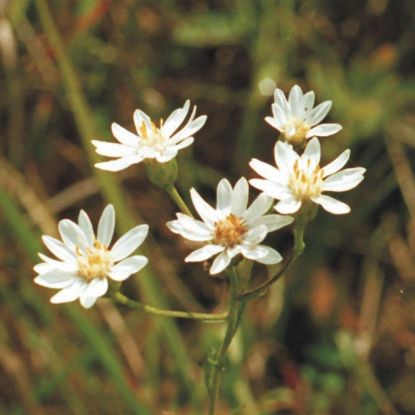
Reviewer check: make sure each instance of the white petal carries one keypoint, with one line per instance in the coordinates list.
(332, 205)
(141, 117)
(204, 253)
(150, 152)
(224, 196)
(258, 207)
(281, 101)
(324, 130)
(290, 130)
(52, 264)
(240, 196)
(112, 149)
(285, 157)
(274, 190)
(308, 101)
(186, 225)
(287, 206)
(124, 136)
(127, 267)
(85, 224)
(205, 211)
(220, 263)
(188, 233)
(233, 251)
(273, 222)
(119, 164)
(87, 302)
(319, 112)
(273, 123)
(168, 154)
(255, 235)
(344, 180)
(55, 279)
(183, 144)
(58, 249)
(106, 225)
(72, 235)
(190, 129)
(267, 171)
(295, 100)
(175, 119)
(272, 256)
(336, 164)
(253, 252)
(313, 151)
(44, 267)
(70, 293)
(280, 116)
(129, 242)
(96, 288)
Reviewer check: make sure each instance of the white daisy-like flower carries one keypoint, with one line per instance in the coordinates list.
(298, 179)
(296, 118)
(232, 228)
(151, 142)
(85, 261)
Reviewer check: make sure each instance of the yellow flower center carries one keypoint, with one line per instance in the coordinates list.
(152, 137)
(95, 263)
(300, 131)
(306, 179)
(229, 231)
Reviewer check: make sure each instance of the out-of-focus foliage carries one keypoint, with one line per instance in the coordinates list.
(336, 336)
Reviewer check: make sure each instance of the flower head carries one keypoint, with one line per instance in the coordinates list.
(296, 118)
(85, 261)
(298, 179)
(160, 142)
(232, 228)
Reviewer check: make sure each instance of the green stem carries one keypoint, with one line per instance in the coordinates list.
(298, 248)
(174, 194)
(206, 317)
(236, 309)
(299, 244)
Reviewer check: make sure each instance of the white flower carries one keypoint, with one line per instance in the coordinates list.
(85, 262)
(161, 143)
(232, 228)
(298, 179)
(296, 119)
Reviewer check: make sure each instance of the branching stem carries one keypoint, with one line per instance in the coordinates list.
(205, 317)
(298, 248)
(217, 363)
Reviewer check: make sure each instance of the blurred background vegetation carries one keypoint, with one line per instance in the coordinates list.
(336, 335)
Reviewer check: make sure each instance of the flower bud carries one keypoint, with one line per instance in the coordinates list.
(163, 175)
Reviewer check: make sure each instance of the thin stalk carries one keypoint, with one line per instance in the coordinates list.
(181, 204)
(205, 317)
(298, 248)
(236, 309)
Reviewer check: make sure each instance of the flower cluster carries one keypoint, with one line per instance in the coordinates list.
(230, 229)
